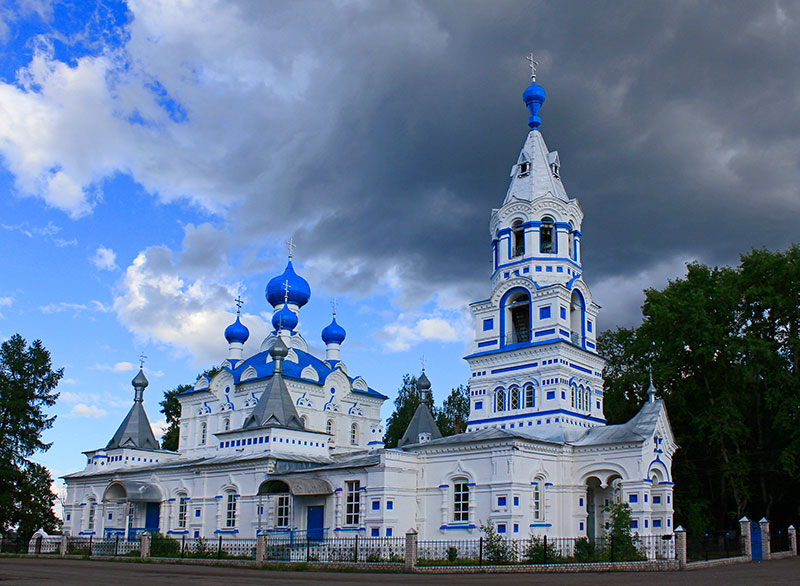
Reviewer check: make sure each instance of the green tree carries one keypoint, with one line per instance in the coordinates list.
(405, 404)
(626, 546)
(724, 350)
(27, 388)
(453, 415)
(171, 408)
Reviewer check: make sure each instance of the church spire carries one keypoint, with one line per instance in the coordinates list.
(422, 426)
(533, 97)
(135, 430)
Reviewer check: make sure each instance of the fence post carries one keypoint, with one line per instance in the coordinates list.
(219, 547)
(747, 544)
(792, 539)
(545, 550)
(411, 549)
(261, 548)
(680, 546)
(612, 547)
(480, 552)
(62, 547)
(765, 545)
(183, 545)
(144, 541)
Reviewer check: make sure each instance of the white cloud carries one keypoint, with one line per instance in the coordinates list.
(5, 302)
(105, 259)
(159, 427)
(62, 306)
(408, 330)
(118, 367)
(82, 410)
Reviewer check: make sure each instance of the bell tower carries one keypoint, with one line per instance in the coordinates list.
(534, 362)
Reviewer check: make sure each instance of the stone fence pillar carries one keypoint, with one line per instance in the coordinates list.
(261, 548)
(765, 545)
(144, 540)
(411, 549)
(747, 544)
(62, 546)
(792, 539)
(680, 546)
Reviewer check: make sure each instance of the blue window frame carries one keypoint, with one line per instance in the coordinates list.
(551, 395)
(376, 505)
(501, 501)
(633, 498)
(634, 524)
(516, 498)
(656, 500)
(563, 313)
(375, 532)
(589, 326)
(501, 527)
(488, 324)
(656, 523)
(544, 312)
(389, 505)
(197, 512)
(388, 532)
(478, 405)
(516, 527)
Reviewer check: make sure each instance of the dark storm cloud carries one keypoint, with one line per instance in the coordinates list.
(677, 125)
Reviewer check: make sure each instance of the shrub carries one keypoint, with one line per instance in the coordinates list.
(496, 549)
(541, 551)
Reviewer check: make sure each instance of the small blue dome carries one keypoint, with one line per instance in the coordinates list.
(285, 319)
(333, 333)
(237, 332)
(533, 97)
(299, 290)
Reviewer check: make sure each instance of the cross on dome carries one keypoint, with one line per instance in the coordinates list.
(533, 65)
(291, 246)
(286, 287)
(334, 304)
(238, 301)
(422, 361)
(142, 358)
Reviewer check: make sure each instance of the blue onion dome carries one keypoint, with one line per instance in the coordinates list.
(237, 332)
(299, 290)
(285, 319)
(533, 97)
(333, 333)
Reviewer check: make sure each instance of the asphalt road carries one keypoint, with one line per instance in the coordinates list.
(30, 571)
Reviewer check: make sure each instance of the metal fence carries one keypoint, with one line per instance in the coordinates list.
(545, 550)
(110, 546)
(338, 549)
(779, 541)
(714, 546)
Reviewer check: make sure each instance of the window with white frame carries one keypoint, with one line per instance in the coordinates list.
(500, 401)
(513, 398)
(282, 506)
(354, 434)
(353, 502)
(460, 501)
(230, 510)
(529, 400)
(203, 433)
(90, 513)
(182, 504)
(329, 429)
(227, 424)
(538, 509)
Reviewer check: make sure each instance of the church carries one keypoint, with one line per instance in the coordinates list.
(285, 442)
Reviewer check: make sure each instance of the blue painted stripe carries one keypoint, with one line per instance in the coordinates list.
(470, 526)
(576, 367)
(520, 367)
(538, 414)
(541, 524)
(564, 333)
(544, 333)
(488, 343)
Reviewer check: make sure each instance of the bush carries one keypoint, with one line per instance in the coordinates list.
(540, 551)
(621, 544)
(496, 549)
(162, 546)
(452, 553)
(585, 551)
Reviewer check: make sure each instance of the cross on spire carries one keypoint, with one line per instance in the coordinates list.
(422, 361)
(334, 304)
(141, 360)
(286, 287)
(238, 301)
(291, 246)
(533, 65)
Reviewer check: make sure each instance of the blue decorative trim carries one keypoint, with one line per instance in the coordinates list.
(538, 258)
(548, 484)
(470, 526)
(580, 368)
(178, 532)
(544, 333)
(471, 484)
(338, 490)
(510, 368)
(541, 524)
(226, 531)
(350, 529)
(373, 443)
(666, 483)
(487, 343)
(538, 414)
(444, 485)
(564, 333)
(535, 483)
(171, 500)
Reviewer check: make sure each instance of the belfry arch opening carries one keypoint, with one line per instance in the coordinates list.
(547, 234)
(518, 317)
(518, 239)
(577, 318)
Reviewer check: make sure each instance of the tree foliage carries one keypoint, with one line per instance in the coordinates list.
(27, 387)
(453, 413)
(724, 350)
(171, 408)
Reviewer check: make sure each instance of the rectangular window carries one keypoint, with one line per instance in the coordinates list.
(656, 500)
(478, 405)
(375, 532)
(110, 516)
(563, 313)
(488, 324)
(656, 523)
(389, 505)
(181, 512)
(544, 312)
(68, 516)
(388, 532)
(282, 504)
(589, 326)
(501, 501)
(90, 523)
(581, 526)
(633, 498)
(645, 497)
(634, 524)
(353, 502)
(551, 395)
(230, 511)
(460, 502)
(537, 502)
(516, 527)
(197, 512)
(580, 502)
(376, 505)
(516, 501)
(646, 523)
(501, 527)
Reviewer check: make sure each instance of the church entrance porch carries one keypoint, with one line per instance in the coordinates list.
(131, 507)
(600, 494)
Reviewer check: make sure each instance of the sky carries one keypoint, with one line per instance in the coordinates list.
(155, 157)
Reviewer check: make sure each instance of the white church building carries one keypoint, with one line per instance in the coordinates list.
(288, 442)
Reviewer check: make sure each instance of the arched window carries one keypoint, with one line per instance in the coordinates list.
(329, 429)
(500, 404)
(513, 398)
(90, 513)
(182, 504)
(573, 391)
(576, 318)
(230, 509)
(226, 425)
(518, 240)
(203, 432)
(588, 400)
(460, 500)
(538, 499)
(354, 434)
(530, 401)
(518, 317)
(547, 233)
(571, 240)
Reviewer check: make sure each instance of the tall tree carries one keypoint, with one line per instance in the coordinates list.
(405, 404)
(27, 387)
(453, 415)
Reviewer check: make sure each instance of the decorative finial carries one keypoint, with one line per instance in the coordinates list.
(651, 390)
(334, 304)
(142, 358)
(291, 246)
(533, 65)
(286, 288)
(238, 301)
(422, 361)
